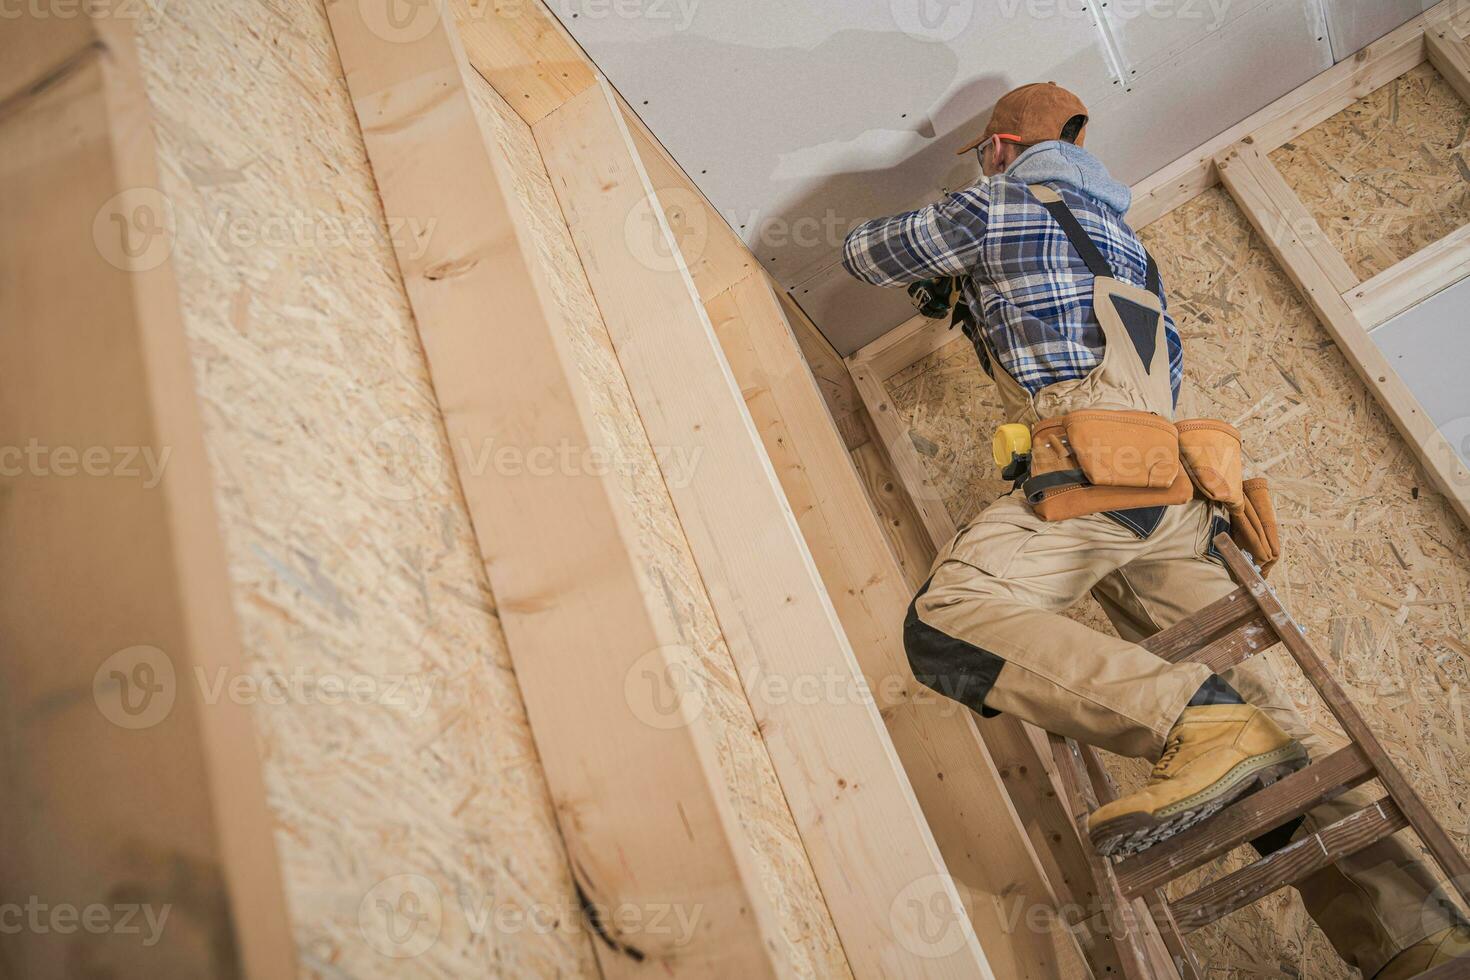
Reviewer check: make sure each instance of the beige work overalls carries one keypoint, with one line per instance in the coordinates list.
(987, 629)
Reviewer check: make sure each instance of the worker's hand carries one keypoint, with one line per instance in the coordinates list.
(933, 298)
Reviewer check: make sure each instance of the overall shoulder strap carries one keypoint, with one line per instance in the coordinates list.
(1097, 264)
(1152, 281)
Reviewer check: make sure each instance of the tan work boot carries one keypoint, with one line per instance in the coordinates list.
(1426, 954)
(1214, 755)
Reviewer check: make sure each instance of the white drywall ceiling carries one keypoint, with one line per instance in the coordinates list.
(800, 118)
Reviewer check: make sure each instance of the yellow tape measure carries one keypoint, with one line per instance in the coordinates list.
(1011, 440)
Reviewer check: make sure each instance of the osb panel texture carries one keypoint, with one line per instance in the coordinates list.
(750, 778)
(1377, 567)
(350, 549)
(1388, 175)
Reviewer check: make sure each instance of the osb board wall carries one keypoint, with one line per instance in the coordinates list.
(764, 816)
(349, 546)
(1389, 175)
(1377, 567)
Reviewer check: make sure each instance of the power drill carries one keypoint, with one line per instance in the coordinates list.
(938, 298)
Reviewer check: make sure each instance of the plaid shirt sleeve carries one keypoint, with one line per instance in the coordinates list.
(942, 239)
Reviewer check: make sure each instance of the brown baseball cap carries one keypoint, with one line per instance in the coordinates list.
(1032, 114)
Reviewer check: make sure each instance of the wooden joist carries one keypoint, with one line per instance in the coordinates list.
(1411, 281)
(870, 846)
(1296, 242)
(126, 787)
(894, 434)
(646, 814)
(1450, 55)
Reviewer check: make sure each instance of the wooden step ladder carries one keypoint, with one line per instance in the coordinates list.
(1249, 620)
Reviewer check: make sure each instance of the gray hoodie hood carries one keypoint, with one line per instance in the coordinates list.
(1061, 162)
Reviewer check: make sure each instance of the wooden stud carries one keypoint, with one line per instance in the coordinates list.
(1411, 281)
(125, 783)
(895, 437)
(915, 338)
(955, 779)
(896, 514)
(1450, 56)
(643, 806)
(525, 56)
(872, 851)
(1277, 214)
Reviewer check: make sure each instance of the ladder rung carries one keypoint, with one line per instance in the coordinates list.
(1290, 864)
(1215, 621)
(1248, 639)
(1244, 821)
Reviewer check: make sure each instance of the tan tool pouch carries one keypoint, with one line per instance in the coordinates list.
(1253, 525)
(1110, 448)
(1210, 452)
(1097, 460)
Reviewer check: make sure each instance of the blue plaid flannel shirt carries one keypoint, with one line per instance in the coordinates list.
(1030, 289)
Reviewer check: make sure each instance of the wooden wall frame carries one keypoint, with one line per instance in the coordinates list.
(561, 550)
(1347, 308)
(1006, 855)
(851, 800)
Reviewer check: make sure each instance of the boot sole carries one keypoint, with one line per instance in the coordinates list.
(1135, 832)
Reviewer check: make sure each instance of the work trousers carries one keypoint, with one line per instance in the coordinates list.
(987, 630)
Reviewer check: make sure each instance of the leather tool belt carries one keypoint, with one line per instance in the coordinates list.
(1097, 460)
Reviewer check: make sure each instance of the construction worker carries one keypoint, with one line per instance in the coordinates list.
(1069, 319)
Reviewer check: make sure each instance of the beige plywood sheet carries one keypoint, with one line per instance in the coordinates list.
(1388, 175)
(813, 947)
(350, 549)
(1377, 567)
